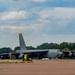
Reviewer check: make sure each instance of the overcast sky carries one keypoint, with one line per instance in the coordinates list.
(39, 20)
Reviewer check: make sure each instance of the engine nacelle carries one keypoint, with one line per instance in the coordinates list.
(53, 54)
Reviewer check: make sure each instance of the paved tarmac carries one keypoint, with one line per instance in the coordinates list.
(39, 67)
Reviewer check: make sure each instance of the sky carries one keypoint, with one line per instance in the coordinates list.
(39, 21)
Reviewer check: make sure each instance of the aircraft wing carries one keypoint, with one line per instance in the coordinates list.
(33, 51)
(25, 51)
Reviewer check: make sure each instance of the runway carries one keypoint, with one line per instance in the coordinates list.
(39, 67)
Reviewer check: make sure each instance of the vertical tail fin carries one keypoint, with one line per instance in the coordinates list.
(22, 43)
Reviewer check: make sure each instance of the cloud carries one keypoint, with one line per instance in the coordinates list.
(28, 30)
(34, 27)
(39, 0)
(46, 20)
(13, 5)
(12, 15)
(55, 20)
(39, 20)
(46, 13)
(58, 13)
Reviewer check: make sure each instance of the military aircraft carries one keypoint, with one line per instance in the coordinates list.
(39, 53)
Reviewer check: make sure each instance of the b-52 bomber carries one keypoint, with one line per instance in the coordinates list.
(39, 53)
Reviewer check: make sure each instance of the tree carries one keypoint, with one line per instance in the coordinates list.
(5, 50)
(64, 45)
(48, 46)
(16, 48)
(30, 47)
(43, 46)
(66, 49)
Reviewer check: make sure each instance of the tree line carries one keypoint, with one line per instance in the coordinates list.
(64, 45)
